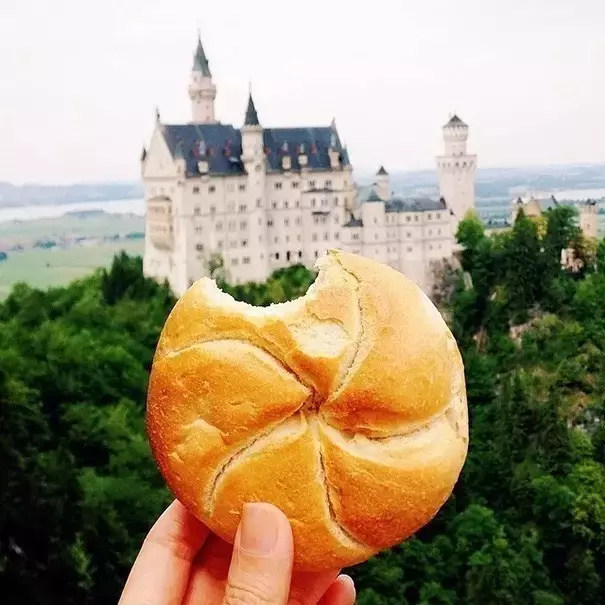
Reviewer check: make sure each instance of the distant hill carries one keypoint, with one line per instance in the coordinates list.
(33, 194)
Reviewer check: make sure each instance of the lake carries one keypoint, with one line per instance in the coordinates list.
(28, 213)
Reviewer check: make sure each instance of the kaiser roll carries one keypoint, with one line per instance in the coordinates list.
(345, 408)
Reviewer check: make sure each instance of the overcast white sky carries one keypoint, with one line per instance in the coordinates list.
(79, 79)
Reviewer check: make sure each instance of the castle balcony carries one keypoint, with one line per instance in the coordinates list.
(159, 225)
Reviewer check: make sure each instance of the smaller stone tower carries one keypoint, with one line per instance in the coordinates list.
(383, 186)
(456, 170)
(202, 91)
(588, 218)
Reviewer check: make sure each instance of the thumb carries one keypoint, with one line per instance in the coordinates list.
(261, 567)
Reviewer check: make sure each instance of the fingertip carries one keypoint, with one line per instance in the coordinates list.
(341, 592)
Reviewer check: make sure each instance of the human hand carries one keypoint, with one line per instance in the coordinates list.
(181, 563)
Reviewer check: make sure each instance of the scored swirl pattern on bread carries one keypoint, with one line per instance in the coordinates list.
(346, 408)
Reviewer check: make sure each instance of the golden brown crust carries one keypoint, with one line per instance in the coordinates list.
(345, 408)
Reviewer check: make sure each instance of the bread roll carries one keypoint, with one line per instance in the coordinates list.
(345, 408)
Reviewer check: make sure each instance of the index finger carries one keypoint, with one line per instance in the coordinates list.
(160, 573)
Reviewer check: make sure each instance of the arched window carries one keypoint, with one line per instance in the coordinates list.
(277, 256)
(288, 255)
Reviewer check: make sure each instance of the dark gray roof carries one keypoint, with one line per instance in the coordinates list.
(381, 171)
(223, 146)
(373, 196)
(455, 121)
(200, 63)
(413, 204)
(251, 118)
(354, 222)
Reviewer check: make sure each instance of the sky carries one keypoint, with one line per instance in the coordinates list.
(80, 79)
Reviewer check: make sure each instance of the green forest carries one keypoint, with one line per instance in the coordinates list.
(526, 521)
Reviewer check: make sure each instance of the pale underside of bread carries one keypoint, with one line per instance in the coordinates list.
(346, 415)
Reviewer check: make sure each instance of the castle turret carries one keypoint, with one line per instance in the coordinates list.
(383, 187)
(202, 91)
(456, 169)
(588, 218)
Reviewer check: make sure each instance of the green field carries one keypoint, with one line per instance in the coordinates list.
(44, 268)
(70, 225)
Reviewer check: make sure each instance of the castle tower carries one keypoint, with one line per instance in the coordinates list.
(202, 91)
(588, 218)
(456, 170)
(383, 187)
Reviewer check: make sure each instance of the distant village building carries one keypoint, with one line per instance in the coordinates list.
(265, 198)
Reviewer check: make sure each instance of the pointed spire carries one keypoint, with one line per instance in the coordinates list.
(200, 63)
(381, 171)
(251, 115)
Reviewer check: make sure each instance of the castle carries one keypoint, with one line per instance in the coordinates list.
(266, 198)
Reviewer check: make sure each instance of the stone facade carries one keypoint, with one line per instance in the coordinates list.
(265, 198)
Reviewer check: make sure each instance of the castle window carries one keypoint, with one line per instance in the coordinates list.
(242, 187)
(277, 256)
(328, 184)
(288, 255)
(336, 201)
(219, 226)
(297, 204)
(326, 236)
(438, 215)
(298, 221)
(246, 260)
(274, 205)
(415, 217)
(277, 185)
(199, 247)
(409, 248)
(276, 240)
(243, 207)
(313, 202)
(287, 238)
(337, 235)
(198, 229)
(212, 209)
(295, 184)
(258, 203)
(196, 190)
(211, 188)
(375, 220)
(336, 220)
(408, 234)
(430, 216)
(312, 184)
(243, 225)
(355, 236)
(219, 244)
(270, 222)
(316, 254)
(196, 211)
(300, 254)
(286, 222)
(408, 218)
(314, 237)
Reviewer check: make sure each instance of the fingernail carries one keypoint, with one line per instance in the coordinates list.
(258, 531)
